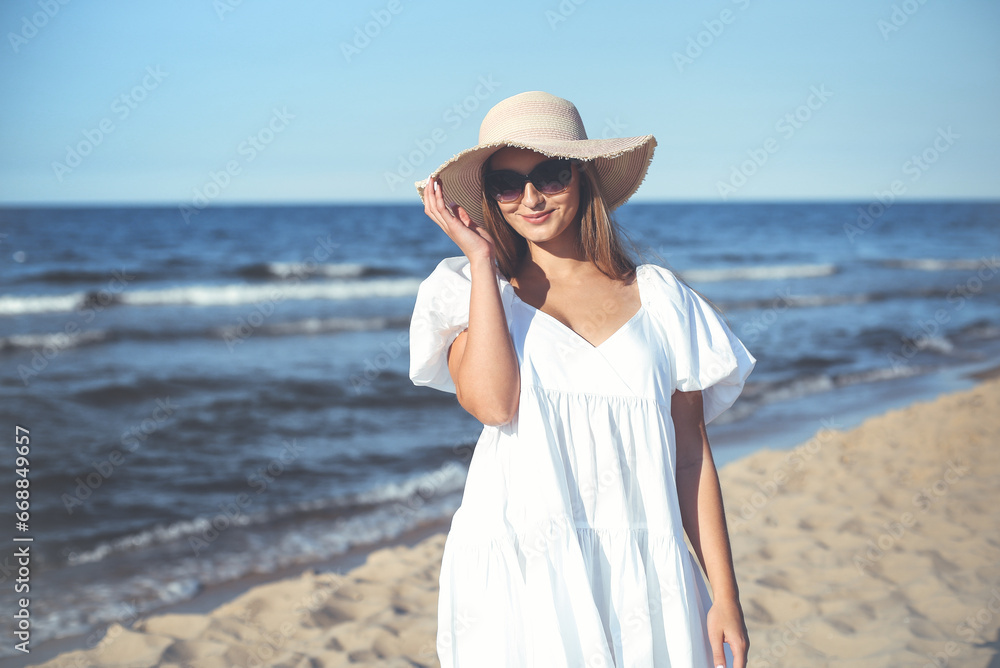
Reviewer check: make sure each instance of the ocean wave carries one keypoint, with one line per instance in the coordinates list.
(980, 330)
(934, 264)
(16, 305)
(211, 295)
(446, 480)
(758, 272)
(817, 383)
(318, 326)
(937, 344)
(283, 270)
(70, 276)
(227, 295)
(781, 301)
(60, 341)
(760, 393)
(307, 327)
(257, 270)
(785, 299)
(880, 374)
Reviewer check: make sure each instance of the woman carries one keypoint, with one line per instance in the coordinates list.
(593, 378)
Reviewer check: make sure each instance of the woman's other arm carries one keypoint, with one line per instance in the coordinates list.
(704, 519)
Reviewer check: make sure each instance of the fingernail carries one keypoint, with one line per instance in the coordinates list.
(435, 186)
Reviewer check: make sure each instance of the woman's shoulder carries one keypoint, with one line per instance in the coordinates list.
(657, 271)
(663, 282)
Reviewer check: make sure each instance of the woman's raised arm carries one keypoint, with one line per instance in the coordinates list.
(481, 360)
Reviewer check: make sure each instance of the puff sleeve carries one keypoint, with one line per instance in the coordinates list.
(704, 353)
(440, 313)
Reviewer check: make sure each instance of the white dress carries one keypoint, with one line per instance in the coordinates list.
(568, 549)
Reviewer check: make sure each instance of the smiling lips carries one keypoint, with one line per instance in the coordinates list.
(536, 218)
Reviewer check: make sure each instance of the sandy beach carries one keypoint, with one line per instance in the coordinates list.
(874, 546)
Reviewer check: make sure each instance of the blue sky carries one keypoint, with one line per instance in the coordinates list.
(265, 101)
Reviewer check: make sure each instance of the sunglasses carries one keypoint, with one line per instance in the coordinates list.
(549, 178)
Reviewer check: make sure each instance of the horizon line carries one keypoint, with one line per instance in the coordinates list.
(155, 204)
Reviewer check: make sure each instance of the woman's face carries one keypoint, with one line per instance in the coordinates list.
(537, 217)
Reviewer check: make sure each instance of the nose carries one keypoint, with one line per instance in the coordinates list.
(531, 197)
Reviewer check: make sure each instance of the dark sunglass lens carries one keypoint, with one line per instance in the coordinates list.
(504, 187)
(508, 195)
(553, 177)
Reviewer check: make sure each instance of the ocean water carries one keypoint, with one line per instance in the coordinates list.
(225, 398)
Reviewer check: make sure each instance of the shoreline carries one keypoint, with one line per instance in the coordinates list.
(431, 537)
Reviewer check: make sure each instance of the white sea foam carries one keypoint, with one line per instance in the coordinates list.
(16, 305)
(59, 341)
(758, 272)
(219, 295)
(933, 264)
(216, 295)
(290, 269)
(447, 479)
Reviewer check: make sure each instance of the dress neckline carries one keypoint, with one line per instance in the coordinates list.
(639, 273)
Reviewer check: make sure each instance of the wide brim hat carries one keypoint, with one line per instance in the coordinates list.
(552, 126)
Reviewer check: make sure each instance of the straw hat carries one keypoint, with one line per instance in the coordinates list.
(552, 126)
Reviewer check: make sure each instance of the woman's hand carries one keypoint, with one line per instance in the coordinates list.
(473, 240)
(726, 624)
